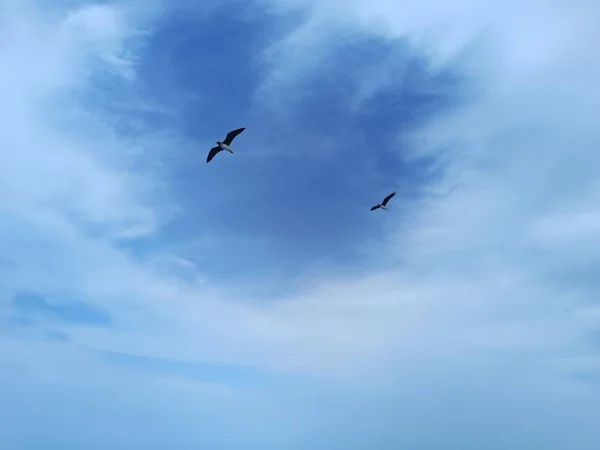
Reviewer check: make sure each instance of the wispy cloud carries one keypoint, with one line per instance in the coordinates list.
(472, 307)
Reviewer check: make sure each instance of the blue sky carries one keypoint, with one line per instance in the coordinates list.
(151, 300)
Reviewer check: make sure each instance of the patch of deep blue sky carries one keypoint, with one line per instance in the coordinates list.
(299, 188)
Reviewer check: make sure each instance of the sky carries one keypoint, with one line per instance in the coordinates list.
(150, 300)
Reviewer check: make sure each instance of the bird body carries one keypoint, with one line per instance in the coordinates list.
(383, 204)
(225, 145)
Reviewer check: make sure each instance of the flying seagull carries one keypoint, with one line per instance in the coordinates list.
(225, 145)
(383, 204)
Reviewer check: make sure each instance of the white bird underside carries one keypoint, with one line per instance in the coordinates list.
(226, 147)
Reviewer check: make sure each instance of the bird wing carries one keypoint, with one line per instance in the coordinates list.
(211, 154)
(231, 135)
(387, 199)
(375, 207)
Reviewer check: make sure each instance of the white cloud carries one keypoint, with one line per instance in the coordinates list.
(490, 270)
(57, 161)
(474, 223)
(489, 263)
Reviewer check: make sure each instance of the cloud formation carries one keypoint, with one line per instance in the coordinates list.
(474, 316)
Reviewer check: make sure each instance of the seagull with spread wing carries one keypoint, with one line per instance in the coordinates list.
(383, 204)
(225, 145)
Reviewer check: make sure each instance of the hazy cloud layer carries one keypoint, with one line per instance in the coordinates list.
(151, 300)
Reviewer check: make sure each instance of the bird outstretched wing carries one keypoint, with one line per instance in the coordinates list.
(375, 207)
(231, 135)
(387, 199)
(211, 154)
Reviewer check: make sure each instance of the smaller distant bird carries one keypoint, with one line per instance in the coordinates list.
(383, 204)
(225, 145)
